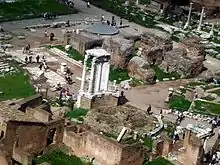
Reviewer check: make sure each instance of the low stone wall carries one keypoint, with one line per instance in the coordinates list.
(64, 55)
(31, 101)
(98, 101)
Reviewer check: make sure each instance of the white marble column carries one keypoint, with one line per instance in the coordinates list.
(201, 17)
(137, 2)
(189, 16)
(98, 78)
(83, 80)
(211, 33)
(91, 81)
(107, 70)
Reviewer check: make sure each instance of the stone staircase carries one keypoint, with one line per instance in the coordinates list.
(5, 67)
(64, 55)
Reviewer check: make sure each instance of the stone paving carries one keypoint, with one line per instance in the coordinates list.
(52, 77)
(34, 52)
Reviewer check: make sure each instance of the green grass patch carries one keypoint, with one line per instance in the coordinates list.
(16, 86)
(160, 74)
(159, 161)
(76, 113)
(148, 142)
(118, 74)
(26, 9)
(57, 157)
(206, 107)
(179, 103)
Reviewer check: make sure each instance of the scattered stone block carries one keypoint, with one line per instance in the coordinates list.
(21, 37)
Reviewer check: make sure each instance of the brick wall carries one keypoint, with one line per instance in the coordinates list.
(39, 114)
(105, 151)
(31, 137)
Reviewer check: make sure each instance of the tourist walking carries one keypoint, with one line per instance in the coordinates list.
(88, 4)
(120, 21)
(37, 58)
(30, 59)
(102, 18)
(45, 33)
(26, 59)
(149, 110)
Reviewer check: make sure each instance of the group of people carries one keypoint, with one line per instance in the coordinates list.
(113, 21)
(69, 3)
(68, 76)
(52, 35)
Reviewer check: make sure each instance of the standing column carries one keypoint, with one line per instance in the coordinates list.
(107, 64)
(98, 78)
(189, 16)
(91, 81)
(83, 80)
(137, 2)
(200, 21)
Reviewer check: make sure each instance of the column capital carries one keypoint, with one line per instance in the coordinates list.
(191, 3)
(94, 59)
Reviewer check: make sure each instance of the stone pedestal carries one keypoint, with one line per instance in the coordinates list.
(63, 68)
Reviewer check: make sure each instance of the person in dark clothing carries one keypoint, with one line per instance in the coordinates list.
(149, 110)
(120, 21)
(26, 59)
(41, 66)
(37, 58)
(108, 22)
(68, 23)
(30, 59)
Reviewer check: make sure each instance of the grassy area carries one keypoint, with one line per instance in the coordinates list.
(57, 157)
(16, 86)
(148, 142)
(206, 107)
(159, 161)
(179, 103)
(25, 9)
(77, 113)
(160, 74)
(118, 74)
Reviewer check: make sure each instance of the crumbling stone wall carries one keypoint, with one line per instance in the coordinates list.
(33, 141)
(82, 41)
(154, 47)
(193, 149)
(177, 60)
(106, 151)
(121, 50)
(39, 114)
